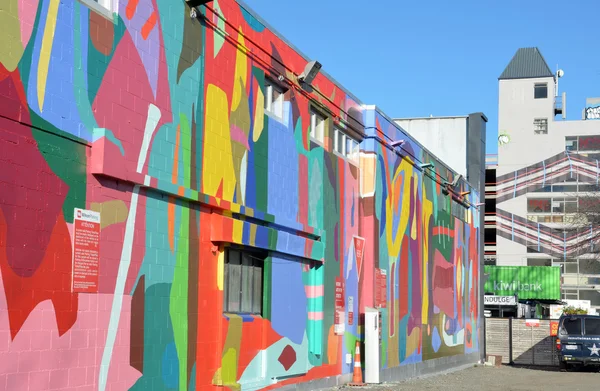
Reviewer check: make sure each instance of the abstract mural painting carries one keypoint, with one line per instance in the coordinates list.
(193, 138)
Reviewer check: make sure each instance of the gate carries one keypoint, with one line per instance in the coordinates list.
(520, 341)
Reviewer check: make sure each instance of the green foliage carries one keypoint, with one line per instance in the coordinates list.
(571, 310)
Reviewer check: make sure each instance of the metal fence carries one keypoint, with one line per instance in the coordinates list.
(522, 342)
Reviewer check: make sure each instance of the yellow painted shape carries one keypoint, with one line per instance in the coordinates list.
(367, 174)
(395, 239)
(217, 159)
(459, 276)
(241, 71)
(413, 230)
(111, 212)
(259, 114)
(253, 234)
(229, 367)
(11, 47)
(412, 341)
(427, 210)
(238, 228)
(220, 267)
(46, 50)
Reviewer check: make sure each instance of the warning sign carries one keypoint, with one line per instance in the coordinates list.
(86, 251)
(380, 288)
(553, 328)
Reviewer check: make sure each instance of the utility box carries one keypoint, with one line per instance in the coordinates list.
(371, 345)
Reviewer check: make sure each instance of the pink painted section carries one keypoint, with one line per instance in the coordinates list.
(38, 359)
(239, 136)
(315, 315)
(27, 16)
(314, 291)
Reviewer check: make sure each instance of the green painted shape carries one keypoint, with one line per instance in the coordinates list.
(66, 158)
(219, 38)
(158, 333)
(178, 305)
(528, 282)
(314, 328)
(260, 151)
(267, 287)
(185, 147)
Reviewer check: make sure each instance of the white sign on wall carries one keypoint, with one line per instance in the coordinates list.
(499, 300)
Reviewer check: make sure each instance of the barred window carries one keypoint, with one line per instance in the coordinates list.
(540, 126)
(243, 282)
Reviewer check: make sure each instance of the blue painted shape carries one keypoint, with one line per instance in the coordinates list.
(246, 318)
(262, 237)
(246, 233)
(288, 299)
(192, 386)
(252, 21)
(170, 367)
(436, 341)
(283, 171)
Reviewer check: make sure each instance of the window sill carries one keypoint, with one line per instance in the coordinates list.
(91, 4)
(275, 117)
(347, 159)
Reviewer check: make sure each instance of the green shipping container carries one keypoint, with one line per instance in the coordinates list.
(528, 282)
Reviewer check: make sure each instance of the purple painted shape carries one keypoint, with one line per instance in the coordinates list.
(148, 49)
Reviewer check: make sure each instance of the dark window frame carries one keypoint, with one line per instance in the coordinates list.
(540, 91)
(250, 261)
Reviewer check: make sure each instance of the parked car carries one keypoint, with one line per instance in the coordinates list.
(578, 341)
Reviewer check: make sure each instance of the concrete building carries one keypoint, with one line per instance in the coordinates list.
(546, 167)
(185, 205)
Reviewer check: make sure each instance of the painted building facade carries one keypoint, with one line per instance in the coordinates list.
(230, 200)
(544, 187)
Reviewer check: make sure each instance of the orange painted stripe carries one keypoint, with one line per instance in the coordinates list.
(130, 9)
(149, 25)
(171, 209)
(172, 223)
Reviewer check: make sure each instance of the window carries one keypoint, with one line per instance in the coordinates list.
(571, 326)
(571, 143)
(317, 126)
(243, 282)
(540, 90)
(542, 205)
(104, 7)
(345, 145)
(592, 326)
(540, 126)
(274, 97)
(489, 236)
(539, 262)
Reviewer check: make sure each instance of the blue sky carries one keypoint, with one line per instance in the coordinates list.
(415, 58)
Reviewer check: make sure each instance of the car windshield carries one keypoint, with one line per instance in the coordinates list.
(571, 326)
(592, 326)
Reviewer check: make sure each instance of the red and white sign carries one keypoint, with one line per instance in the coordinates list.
(359, 252)
(350, 310)
(380, 288)
(339, 293)
(532, 322)
(86, 251)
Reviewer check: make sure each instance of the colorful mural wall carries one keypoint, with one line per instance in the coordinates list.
(156, 121)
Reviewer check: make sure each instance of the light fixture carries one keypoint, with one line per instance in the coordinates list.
(311, 70)
(456, 180)
(427, 165)
(464, 193)
(196, 3)
(480, 204)
(397, 143)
